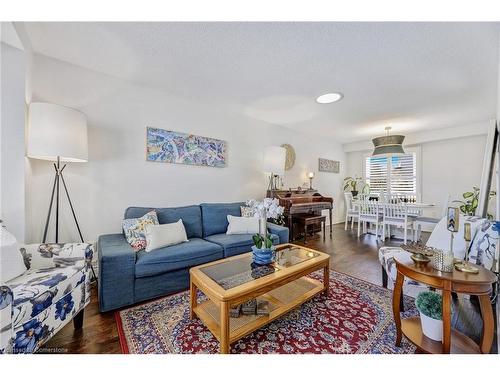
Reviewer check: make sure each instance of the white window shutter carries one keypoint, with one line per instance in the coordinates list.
(396, 174)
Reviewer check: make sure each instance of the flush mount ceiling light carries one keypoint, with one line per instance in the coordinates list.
(388, 144)
(331, 97)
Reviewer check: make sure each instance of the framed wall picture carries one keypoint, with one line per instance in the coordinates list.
(174, 147)
(326, 165)
(452, 223)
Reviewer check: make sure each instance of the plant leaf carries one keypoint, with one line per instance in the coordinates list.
(468, 194)
(475, 203)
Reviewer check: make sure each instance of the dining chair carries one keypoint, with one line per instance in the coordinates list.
(369, 212)
(396, 214)
(350, 211)
(430, 221)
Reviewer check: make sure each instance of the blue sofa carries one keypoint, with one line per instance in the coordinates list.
(127, 277)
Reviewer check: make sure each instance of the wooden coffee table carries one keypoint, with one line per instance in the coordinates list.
(479, 284)
(232, 281)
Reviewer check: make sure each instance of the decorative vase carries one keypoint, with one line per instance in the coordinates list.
(354, 193)
(263, 226)
(262, 256)
(431, 327)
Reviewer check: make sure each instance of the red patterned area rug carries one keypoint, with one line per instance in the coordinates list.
(355, 318)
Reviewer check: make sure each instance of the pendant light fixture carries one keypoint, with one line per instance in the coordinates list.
(388, 144)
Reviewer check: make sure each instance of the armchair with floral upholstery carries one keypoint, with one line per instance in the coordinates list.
(53, 290)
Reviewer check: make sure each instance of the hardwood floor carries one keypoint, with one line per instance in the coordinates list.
(355, 256)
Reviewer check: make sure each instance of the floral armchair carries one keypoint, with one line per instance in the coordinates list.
(54, 290)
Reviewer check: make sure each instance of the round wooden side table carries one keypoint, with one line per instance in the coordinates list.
(479, 284)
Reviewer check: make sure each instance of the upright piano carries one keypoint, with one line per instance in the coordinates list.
(304, 204)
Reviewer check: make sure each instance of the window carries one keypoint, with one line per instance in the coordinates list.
(395, 174)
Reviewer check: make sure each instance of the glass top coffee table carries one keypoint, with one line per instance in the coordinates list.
(227, 283)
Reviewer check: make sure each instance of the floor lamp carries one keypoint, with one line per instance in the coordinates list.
(57, 134)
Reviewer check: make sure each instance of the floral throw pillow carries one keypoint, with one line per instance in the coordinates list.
(484, 246)
(135, 229)
(247, 211)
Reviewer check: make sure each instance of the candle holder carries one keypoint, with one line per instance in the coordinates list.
(464, 265)
(443, 261)
(310, 176)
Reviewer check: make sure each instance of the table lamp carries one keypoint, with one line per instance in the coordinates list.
(57, 134)
(311, 176)
(274, 164)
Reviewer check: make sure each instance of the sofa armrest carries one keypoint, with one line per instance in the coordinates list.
(116, 272)
(6, 329)
(281, 232)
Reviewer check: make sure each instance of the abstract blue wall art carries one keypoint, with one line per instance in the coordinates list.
(173, 147)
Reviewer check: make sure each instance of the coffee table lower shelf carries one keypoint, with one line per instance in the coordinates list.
(281, 300)
(460, 343)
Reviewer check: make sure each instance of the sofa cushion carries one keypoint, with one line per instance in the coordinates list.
(165, 259)
(235, 244)
(214, 216)
(484, 246)
(135, 229)
(190, 215)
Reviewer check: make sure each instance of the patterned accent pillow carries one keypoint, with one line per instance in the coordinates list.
(135, 229)
(484, 246)
(247, 211)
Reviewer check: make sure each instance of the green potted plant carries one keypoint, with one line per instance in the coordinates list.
(352, 183)
(470, 202)
(263, 249)
(429, 305)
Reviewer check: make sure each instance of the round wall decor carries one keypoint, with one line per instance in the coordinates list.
(290, 156)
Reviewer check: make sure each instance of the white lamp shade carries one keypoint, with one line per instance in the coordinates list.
(57, 131)
(274, 160)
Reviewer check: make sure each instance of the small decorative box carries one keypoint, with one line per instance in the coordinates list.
(249, 307)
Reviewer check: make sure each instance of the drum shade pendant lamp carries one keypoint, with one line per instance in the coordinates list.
(388, 144)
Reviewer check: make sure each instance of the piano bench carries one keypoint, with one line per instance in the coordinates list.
(305, 220)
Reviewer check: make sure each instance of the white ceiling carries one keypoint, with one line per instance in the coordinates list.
(413, 76)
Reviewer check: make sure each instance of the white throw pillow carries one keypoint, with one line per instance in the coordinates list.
(164, 235)
(242, 225)
(11, 259)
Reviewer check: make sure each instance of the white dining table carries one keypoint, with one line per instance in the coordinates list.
(421, 205)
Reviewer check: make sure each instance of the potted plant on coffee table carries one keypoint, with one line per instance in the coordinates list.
(429, 305)
(263, 249)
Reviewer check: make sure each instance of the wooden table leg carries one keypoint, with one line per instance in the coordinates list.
(446, 318)
(396, 298)
(488, 323)
(224, 328)
(193, 299)
(326, 278)
(324, 230)
(330, 219)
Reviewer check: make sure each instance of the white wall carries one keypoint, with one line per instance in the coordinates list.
(117, 175)
(13, 109)
(449, 166)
